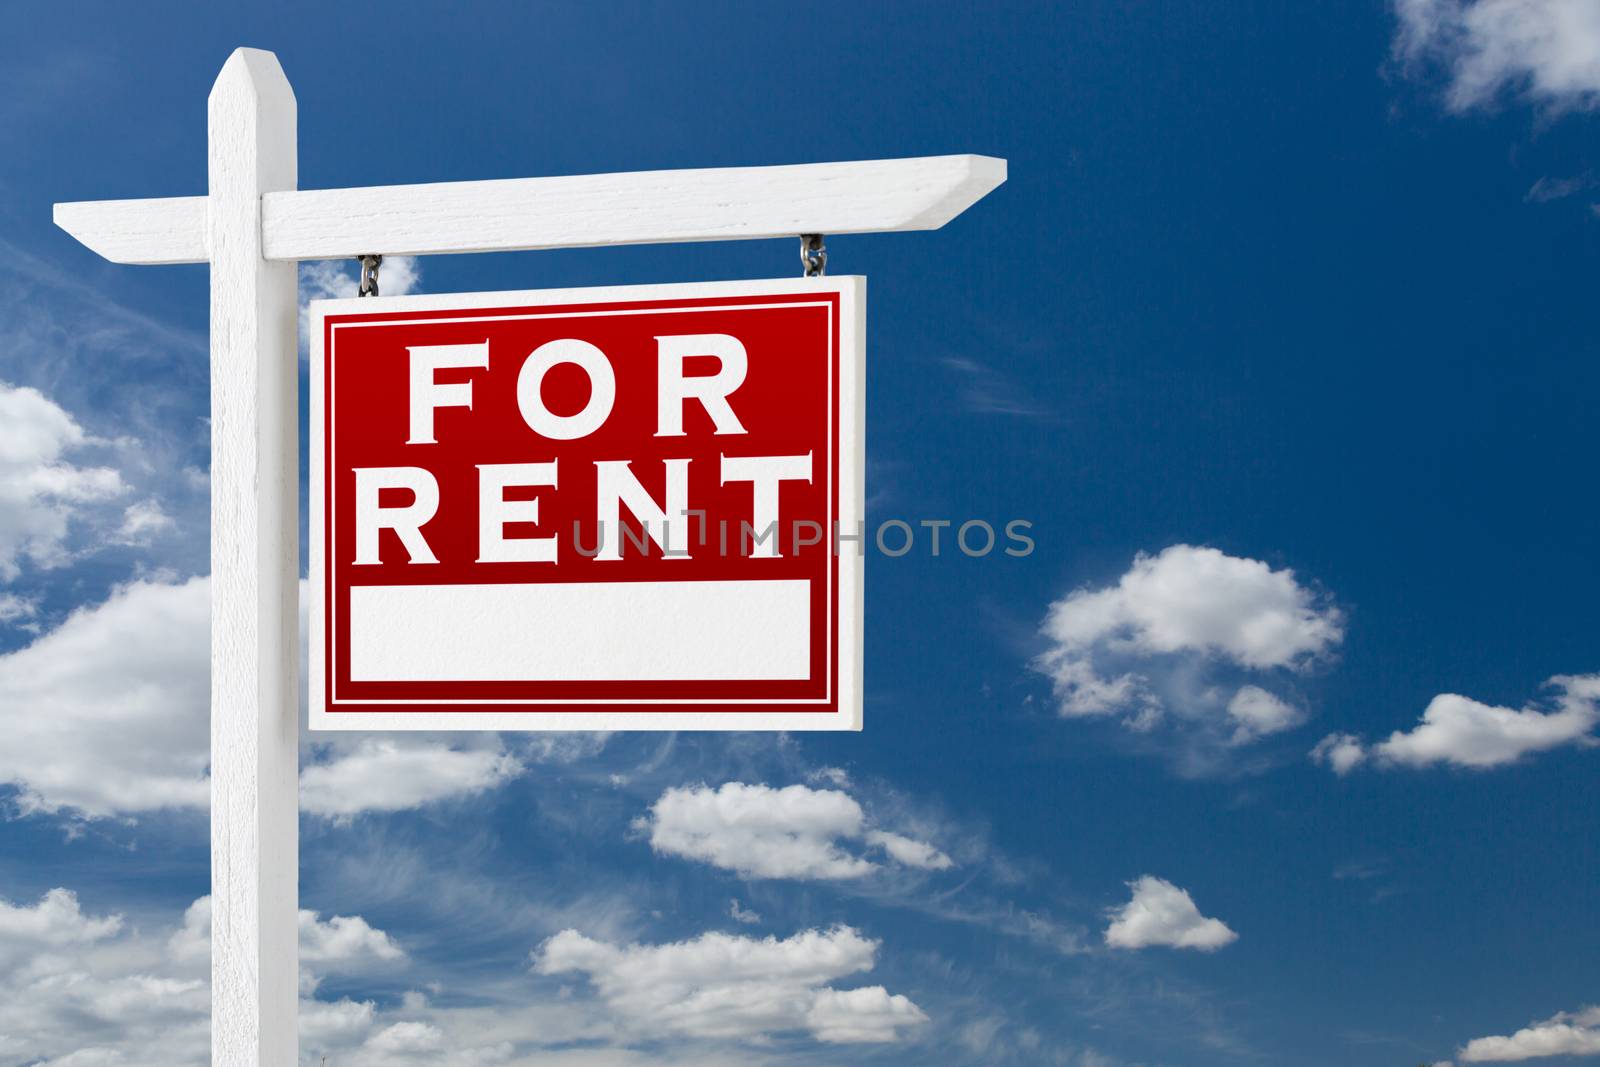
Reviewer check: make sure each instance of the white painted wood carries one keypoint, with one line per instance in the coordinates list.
(643, 207)
(170, 230)
(254, 574)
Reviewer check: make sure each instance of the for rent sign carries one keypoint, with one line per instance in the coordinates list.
(588, 509)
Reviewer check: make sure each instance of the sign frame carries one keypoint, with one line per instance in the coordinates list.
(846, 628)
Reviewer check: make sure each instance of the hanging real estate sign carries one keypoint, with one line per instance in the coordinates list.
(625, 508)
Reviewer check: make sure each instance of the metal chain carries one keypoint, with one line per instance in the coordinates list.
(813, 255)
(369, 275)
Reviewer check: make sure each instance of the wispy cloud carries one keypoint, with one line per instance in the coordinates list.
(986, 391)
(133, 391)
(1546, 190)
(44, 492)
(1544, 51)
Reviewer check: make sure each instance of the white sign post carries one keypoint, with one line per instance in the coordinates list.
(252, 227)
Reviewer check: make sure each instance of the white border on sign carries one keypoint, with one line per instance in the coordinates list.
(847, 626)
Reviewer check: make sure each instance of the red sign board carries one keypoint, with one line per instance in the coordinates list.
(630, 508)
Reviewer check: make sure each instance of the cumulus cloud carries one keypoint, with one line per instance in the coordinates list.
(83, 986)
(338, 944)
(56, 921)
(1547, 51)
(761, 832)
(1342, 752)
(722, 986)
(1565, 1034)
(1162, 914)
(1467, 733)
(86, 987)
(83, 989)
(42, 492)
(1257, 713)
(1166, 635)
(109, 716)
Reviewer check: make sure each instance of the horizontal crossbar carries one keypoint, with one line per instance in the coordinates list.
(639, 207)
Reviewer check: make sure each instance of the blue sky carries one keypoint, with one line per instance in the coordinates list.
(1281, 333)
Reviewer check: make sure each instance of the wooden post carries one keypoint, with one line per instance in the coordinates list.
(255, 572)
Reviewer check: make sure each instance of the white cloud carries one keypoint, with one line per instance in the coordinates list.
(82, 989)
(14, 609)
(41, 491)
(909, 851)
(1136, 649)
(335, 1024)
(86, 990)
(1545, 50)
(1189, 599)
(340, 941)
(338, 944)
(141, 521)
(1162, 914)
(1466, 733)
(339, 279)
(342, 944)
(721, 986)
(107, 714)
(1456, 729)
(55, 922)
(761, 832)
(1566, 1034)
(987, 391)
(384, 773)
(139, 381)
(837, 777)
(1342, 752)
(870, 1014)
(1258, 713)
(191, 941)
(740, 914)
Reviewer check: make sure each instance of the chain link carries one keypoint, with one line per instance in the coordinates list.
(813, 255)
(369, 275)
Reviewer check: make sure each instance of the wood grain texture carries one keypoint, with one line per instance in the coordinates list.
(641, 207)
(171, 230)
(254, 575)
(644, 207)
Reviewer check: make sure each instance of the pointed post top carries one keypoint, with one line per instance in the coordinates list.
(251, 128)
(253, 71)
